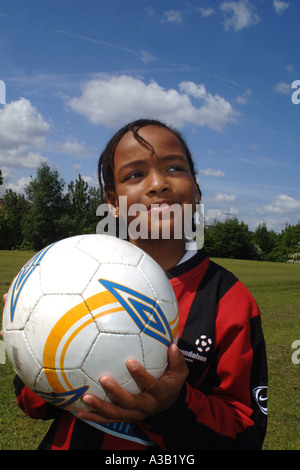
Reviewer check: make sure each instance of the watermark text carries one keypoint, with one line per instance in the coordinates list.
(296, 94)
(2, 352)
(155, 222)
(296, 354)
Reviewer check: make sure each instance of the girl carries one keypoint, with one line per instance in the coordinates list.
(213, 394)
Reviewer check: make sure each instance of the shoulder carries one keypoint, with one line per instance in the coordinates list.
(200, 272)
(215, 285)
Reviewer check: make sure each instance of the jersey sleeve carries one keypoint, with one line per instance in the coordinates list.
(31, 404)
(226, 409)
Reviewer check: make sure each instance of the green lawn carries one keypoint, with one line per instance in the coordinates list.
(275, 286)
(17, 431)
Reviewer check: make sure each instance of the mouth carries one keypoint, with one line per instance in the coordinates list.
(162, 206)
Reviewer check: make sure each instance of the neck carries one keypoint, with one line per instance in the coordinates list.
(166, 253)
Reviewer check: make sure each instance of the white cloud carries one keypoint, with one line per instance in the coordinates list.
(205, 12)
(282, 87)
(243, 98)
(91, 180)
(210, 172)
(71, 146)
(150, 11)
(213, 214)
(219, 206)
(22, 135)
(22, 124)
(22, 158)
(253, 146)
(145, 56)
(225, 197)
(218, 214)
(172, 16)
(283, 204)
(290, 68)
(280, 6)
(114, 100)
(19, 186)
(238, 15)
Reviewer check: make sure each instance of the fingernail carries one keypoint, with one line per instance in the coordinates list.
(105, 381)
(86, 398)
(131, 364)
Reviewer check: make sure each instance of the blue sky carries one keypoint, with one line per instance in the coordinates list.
(220, 71)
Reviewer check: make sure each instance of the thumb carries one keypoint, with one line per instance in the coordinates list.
(177, 360)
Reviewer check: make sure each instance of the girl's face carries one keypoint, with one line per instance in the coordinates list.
(157, 175)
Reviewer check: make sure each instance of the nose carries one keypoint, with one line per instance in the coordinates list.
(157, 182)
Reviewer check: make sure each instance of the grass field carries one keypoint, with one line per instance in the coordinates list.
(275, 286)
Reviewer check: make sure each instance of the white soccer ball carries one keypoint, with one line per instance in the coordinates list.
(81, 308)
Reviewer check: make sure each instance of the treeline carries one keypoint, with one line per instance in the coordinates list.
(51, 210)
(233, 239)
(47, 212)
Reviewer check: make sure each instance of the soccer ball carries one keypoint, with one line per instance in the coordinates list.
(79, 309)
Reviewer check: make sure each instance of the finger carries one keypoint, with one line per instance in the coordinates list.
(4, 299)
(143, 378)
(177, 367)
(103, 409)
(105, 412)
(117, 394)
(177, 360)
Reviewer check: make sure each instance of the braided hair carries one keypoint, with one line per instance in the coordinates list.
(106, 160)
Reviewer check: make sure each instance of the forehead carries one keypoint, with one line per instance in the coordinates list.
(162, 142)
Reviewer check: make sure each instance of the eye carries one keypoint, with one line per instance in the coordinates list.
(134, 175)
(174, 168)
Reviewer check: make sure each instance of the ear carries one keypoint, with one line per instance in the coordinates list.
(112, 199)
(198, 193)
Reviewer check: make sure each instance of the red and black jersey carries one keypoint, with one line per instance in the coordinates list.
(223, 402)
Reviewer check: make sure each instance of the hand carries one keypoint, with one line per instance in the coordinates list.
(157, 394)
(3, 300)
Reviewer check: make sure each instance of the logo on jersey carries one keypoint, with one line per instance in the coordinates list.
(203, 344)
(260, 396)
(200, 351)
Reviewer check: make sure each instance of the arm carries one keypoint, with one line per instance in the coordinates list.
(32, 405)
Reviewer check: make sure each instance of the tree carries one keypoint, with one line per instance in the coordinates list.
(265, 241)
(229, 239)
(82, 202)
(42, 224)
(14, 208)
(288, 242)
(77, 204)
(1, 177)
(294, 258)
(94, 200)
